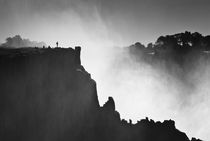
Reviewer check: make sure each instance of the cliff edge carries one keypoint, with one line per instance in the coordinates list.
(47, 95)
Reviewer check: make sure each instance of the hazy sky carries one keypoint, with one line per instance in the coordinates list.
(110, 22)
(97, 25)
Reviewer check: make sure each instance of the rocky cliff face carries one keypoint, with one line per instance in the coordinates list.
(46, 95)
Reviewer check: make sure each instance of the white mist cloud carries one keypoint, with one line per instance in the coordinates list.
(141, 89)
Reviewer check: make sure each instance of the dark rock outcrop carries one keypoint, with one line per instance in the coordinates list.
(46, 95)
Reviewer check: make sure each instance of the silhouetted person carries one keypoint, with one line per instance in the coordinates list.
(57, 44)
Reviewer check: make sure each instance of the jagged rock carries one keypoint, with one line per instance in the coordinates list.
(77, 55)
(47, 95)
(109, 105)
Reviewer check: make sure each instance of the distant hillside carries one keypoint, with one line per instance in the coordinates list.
(17, 42)
(180, 55)
(46, 95)
(180, 43)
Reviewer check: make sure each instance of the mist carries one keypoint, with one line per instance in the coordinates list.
(70, 23)
(159, 90)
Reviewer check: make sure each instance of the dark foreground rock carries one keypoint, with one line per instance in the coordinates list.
(46, 95)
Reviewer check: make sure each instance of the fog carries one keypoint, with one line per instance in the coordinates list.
(141, 89)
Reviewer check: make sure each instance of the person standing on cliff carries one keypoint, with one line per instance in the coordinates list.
(57, 44)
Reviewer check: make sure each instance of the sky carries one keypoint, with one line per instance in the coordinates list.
(113, 22)
(100, 26)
